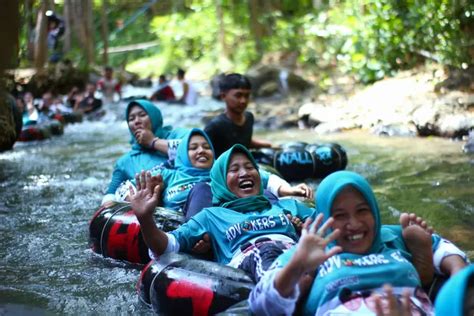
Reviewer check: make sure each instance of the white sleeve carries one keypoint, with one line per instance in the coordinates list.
(107, 198)
(445, 249)
(265, 299)
(173, 246)
(274, 183)
(123, 191)
(173, 148)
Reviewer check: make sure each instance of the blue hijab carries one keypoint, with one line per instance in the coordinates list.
(451, 298)
(182, 162)
(156, 119)
(385, 262)
(333, 184)
(222, 196)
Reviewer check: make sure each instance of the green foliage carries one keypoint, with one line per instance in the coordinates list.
(370, 39)
(375, 38)
(191, 37)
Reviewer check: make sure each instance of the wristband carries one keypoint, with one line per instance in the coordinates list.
(152, 146)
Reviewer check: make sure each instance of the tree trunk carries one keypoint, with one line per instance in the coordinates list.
(105, 32)
(68, 26)
(9, 20)
(30, 27)
(220, 19)
(41, 38)
(89, 32)
(82, 21)
(256, 28)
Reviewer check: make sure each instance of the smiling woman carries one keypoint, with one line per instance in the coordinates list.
(245, 229)
(341, 271)
(152, 144)
(194, 159)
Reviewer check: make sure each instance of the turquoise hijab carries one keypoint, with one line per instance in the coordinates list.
(222, 196)
(182, 162)
(451, 298)
(156, 119)
(349, 270)
(333, 184)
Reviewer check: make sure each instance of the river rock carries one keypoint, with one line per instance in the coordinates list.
(405, 130)
(270, 79)
(396, 106)
(8, 122)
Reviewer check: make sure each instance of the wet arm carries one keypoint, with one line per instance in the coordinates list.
(259, 143)
(160, 145)
(265, 299)
(448, 259)
(452, 264)
(144, 201)
(155, 238)
(118, 176)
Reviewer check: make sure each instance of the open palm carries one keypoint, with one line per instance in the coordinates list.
(311, 250)
(146, 197)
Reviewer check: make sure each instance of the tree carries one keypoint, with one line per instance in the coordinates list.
(104, 31)
(256, 28)
(41, 36)
(82, 22)
(67, 11)
(220, 20)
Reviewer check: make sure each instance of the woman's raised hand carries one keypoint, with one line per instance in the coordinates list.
(311, 250)
(310, 253)
(147, 195)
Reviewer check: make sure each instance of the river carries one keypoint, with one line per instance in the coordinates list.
(50, 189)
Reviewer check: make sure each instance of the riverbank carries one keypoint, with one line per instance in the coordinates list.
(419, 102)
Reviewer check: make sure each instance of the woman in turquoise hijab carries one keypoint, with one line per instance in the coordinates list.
(194, 159)
(245, 229)
(353, 262)
(152, 143)
(456, 297)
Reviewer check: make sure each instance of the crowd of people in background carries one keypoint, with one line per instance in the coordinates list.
(89, 99)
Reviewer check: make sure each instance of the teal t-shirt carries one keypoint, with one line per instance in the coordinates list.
(229, 229)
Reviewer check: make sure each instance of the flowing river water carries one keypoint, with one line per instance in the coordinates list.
(49, 191)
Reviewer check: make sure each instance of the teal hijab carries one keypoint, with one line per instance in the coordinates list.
(348, 271)
(333, 184)
(451, 298)
(222, 196)
(182, 162)
(156, 119)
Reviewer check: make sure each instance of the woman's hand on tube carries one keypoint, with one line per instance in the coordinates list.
(301, 189)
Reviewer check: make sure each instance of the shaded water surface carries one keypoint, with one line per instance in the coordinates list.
(49, 191)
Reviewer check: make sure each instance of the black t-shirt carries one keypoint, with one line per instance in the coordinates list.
(224, 133)
(88, 101)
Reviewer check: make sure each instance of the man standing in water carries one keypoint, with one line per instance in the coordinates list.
(190, 95)
(108, 85)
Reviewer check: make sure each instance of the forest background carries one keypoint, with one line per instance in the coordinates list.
(365, 39)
